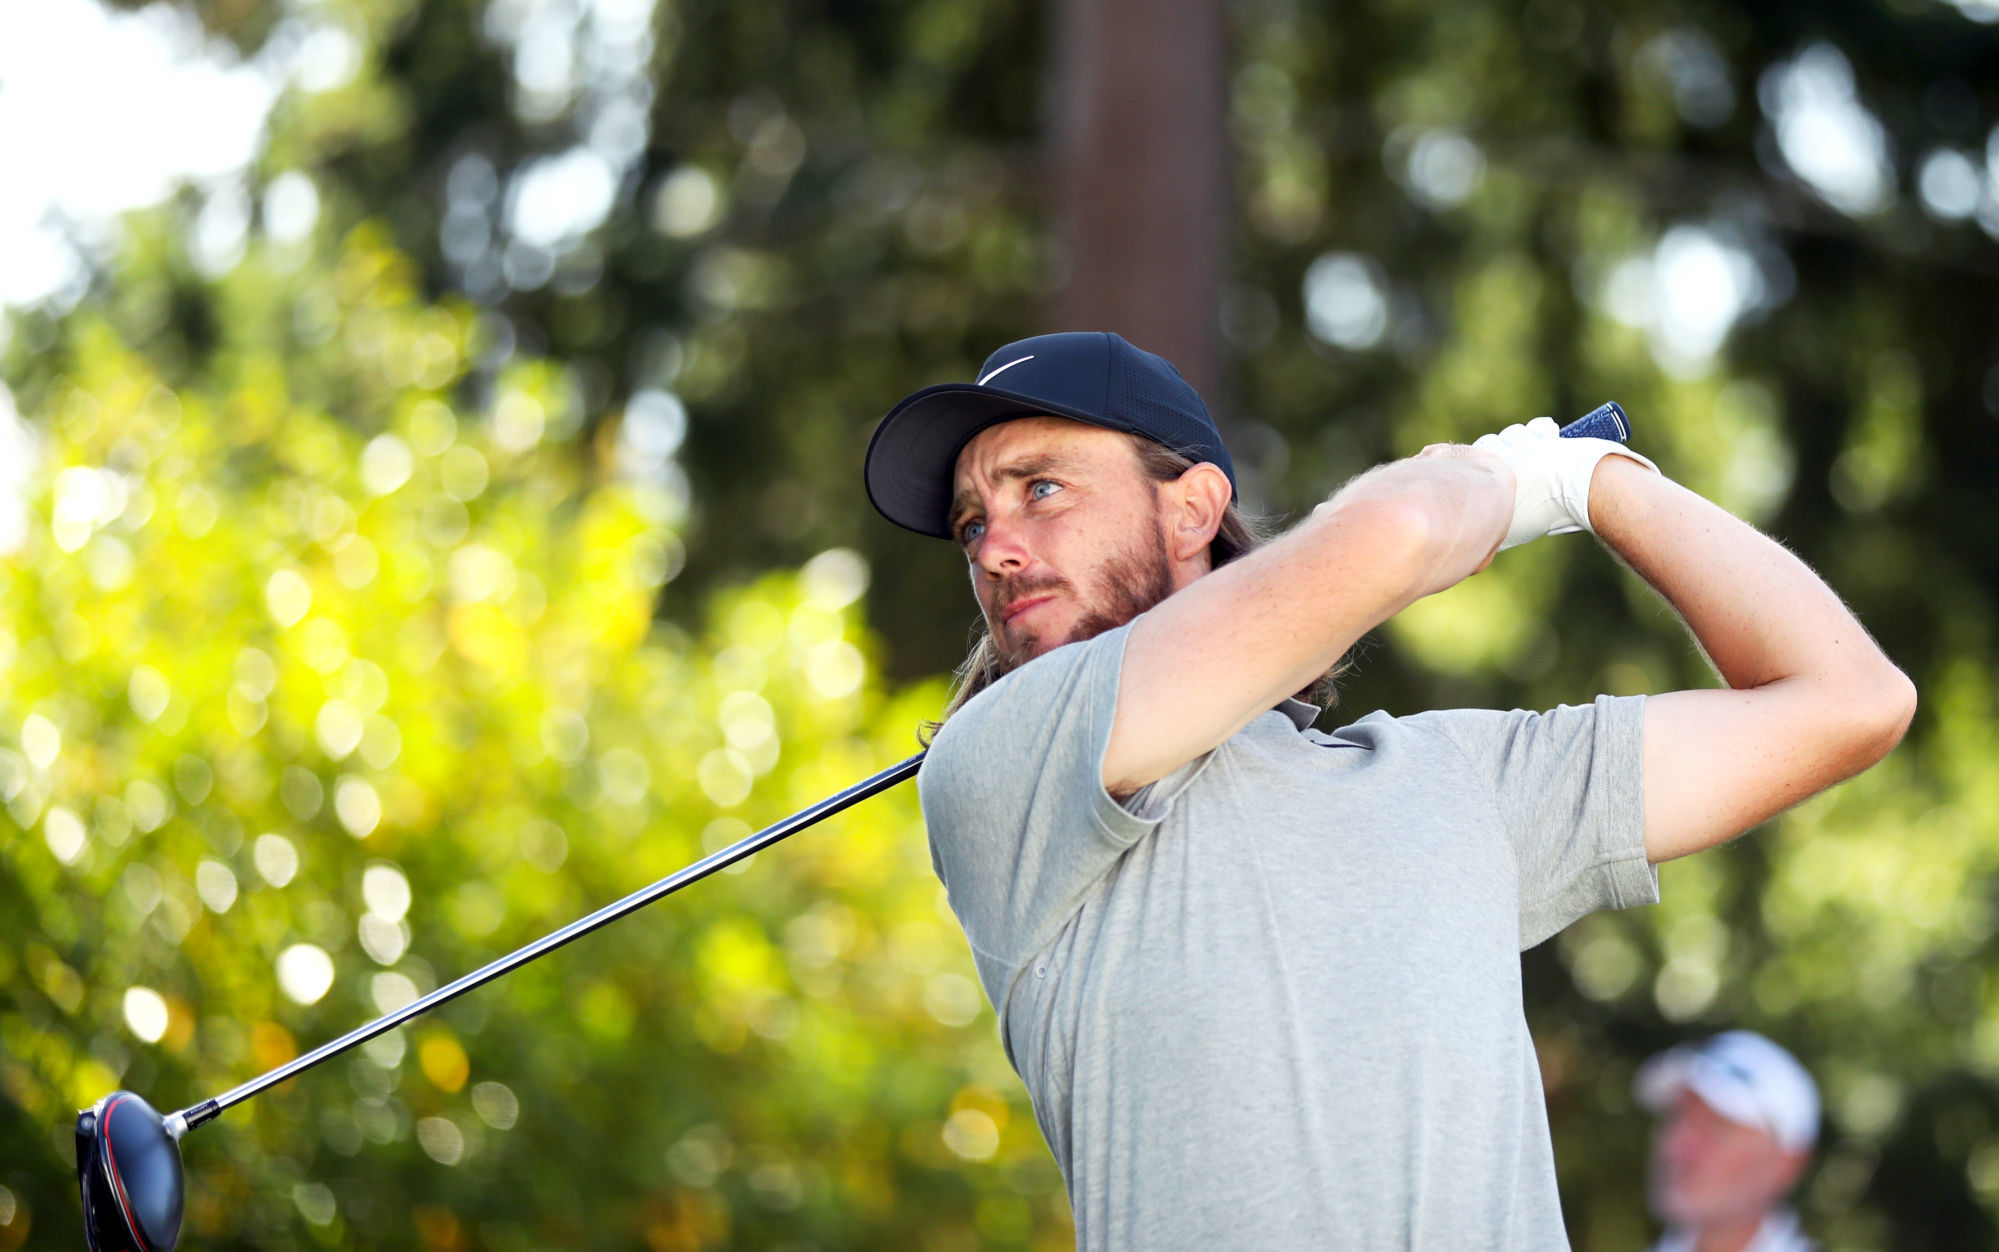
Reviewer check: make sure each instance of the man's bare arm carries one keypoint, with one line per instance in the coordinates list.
(1233, 644)
(1811, 699)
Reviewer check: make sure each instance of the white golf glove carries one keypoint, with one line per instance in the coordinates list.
(1552, 477)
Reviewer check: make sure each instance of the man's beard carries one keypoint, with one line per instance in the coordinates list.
(1128, 583)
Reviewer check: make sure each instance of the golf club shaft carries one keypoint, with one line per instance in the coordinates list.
(187, 1119)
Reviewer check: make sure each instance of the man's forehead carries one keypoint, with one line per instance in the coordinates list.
(1021, 438)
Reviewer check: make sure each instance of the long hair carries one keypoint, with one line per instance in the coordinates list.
(1238, 535)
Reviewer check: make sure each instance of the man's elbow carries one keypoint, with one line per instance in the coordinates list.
(1879, 709)
(1898, 707)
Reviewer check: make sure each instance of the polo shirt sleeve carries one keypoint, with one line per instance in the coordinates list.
(1568, 785)
(1020, 823)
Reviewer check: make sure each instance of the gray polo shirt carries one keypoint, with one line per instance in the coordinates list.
(1273, 1000)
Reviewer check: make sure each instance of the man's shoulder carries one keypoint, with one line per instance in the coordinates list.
(1030, 704)
(1381, 727)
(1040, 684)
(1453, 736)
(1472, 724)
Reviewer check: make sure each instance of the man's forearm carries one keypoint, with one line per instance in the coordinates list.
(1759, 612)
(1215, 654)
(1463, 497)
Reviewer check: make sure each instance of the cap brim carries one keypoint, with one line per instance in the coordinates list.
(1661, 1080)
(914, 451)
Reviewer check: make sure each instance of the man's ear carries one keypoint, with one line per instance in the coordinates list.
(1197, 501)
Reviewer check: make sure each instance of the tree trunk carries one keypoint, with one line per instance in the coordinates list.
(1141, 157)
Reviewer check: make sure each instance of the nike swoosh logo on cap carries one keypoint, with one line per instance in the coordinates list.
(1001, 370)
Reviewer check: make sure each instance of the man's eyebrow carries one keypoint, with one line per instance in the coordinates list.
(1027, 467)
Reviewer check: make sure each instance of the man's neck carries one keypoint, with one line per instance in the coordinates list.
(1729, 1236)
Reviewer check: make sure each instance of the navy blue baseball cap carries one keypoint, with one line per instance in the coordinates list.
(1088, 376)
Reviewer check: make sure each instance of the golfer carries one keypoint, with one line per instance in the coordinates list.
(1262, 983)
(1738, 1117)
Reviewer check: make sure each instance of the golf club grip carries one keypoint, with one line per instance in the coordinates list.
(194, 1115)
(1605, 421)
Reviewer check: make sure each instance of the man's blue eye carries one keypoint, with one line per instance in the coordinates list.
(1035, 492)
(970, 531)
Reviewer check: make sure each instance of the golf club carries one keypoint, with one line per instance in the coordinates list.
(128, 1156)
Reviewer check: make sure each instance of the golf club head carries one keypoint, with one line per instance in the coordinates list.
(128, 1168)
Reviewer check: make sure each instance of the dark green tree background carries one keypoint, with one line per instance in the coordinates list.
(1446, 218)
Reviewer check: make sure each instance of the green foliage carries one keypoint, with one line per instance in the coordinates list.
(300, 717)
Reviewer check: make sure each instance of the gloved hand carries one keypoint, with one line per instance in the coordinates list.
(1551, 476)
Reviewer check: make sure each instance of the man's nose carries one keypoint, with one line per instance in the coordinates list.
(1003, 548)
(1681, 1143)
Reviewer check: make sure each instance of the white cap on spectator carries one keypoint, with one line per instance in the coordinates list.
(1742, 1076)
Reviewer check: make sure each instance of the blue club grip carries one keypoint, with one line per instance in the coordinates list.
(1605, 421)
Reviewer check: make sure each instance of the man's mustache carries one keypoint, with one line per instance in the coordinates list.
(1013, 590)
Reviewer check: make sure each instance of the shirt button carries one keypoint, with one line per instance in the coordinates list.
(1041, 971)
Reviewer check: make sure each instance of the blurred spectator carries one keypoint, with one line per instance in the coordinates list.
(1739, 1117)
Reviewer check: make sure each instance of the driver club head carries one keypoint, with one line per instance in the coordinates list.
(128, 1166)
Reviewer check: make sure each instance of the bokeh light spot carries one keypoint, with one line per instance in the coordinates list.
(386, 464)
(444, 1062)
(441, 1140)
(338, 728)
(835, 669)
(215, 883)
(392, 991)
(146, 1013)
(386, 891)
(1346, 301)
(41, 740)
(972, 1134)
(63, 831)
(148, 693)
(315, 1202)
(835, 578)
(288, 596)
(687, 203)
(383, 940)
(358, 806)
(305, 972)
(496, 1105)
(725, 777)
(276, 859)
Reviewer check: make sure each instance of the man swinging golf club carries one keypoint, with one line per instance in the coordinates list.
(1262, 982)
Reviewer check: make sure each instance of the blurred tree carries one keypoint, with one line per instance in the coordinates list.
(1140, 149)
(300, 715)
(782, 216)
